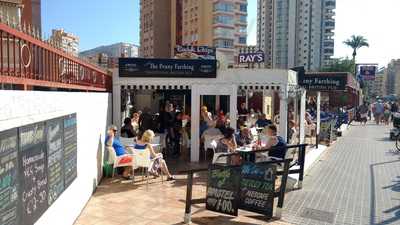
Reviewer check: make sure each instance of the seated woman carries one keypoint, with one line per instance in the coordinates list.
(274, 141)
(227, 144)
(114, 142)
(144, 143)
(244, 137)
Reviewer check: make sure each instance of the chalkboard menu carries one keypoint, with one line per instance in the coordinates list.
(222, 190)
(257, 187)
(37, 163)
(33, 172)
(55, 154)
(8, 177)
(70, 149)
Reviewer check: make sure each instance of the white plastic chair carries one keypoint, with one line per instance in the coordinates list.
(116, 160)
(142, 160)
(127, 141)
(210, 142)
(219, 160)
(157, 141)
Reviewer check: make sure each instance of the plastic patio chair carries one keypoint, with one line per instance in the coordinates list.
(142, 160)
(210, 142)
(127, 141)
(117, 160)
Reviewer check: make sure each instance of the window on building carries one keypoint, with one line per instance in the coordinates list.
(243, 7)
(242, 40)
(223, 43)
(223, 32)
(224, 19)
(243, 18)
(224, 6)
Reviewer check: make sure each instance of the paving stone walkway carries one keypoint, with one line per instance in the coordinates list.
(357, 181)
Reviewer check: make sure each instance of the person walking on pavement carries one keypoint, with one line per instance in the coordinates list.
(363, 110)
(378, 110)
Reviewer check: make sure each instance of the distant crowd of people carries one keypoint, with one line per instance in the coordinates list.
(381, 112)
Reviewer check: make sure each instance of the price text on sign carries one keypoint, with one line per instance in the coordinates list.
(222, 191)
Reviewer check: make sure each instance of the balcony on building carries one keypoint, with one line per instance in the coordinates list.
(329, 24)
(330, 13)
(330, 4)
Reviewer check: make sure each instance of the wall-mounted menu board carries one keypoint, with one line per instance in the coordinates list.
(8, 177)
(37, 163)
(55, 156)
(32, 172)
(70, 146)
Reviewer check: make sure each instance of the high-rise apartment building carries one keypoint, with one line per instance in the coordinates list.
(393, 77)
(230, 27)
(296, 32)
(66, 41)
(377, 87)
(218, 23)
(155, 28)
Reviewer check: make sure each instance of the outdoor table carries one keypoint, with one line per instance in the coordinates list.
(247, 154)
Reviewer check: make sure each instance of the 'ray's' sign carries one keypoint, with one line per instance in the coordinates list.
(252, 57)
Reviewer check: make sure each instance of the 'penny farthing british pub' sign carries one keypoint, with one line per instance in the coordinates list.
(183, 68)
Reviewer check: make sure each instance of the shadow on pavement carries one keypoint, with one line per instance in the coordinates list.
(395, 187)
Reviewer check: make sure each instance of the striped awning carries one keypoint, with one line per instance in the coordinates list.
(188, 87)
(156, 87)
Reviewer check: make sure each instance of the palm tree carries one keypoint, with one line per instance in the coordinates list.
(356, 42)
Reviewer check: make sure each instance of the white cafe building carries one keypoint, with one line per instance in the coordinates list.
(135, 83)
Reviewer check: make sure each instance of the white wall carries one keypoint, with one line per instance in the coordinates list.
(18, 108)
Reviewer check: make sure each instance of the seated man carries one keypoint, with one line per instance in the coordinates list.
(262, 121)
(244, 137)
(274, 141)
(114, 142)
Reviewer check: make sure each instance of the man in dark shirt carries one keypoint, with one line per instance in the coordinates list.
(262, 121)
(145, 120)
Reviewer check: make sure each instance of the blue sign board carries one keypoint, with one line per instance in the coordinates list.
(151, 67)
(368, 72)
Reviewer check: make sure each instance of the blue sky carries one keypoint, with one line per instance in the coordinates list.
(100, 22)
(96, 22)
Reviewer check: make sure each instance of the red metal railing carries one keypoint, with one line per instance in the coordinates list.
(26, 60)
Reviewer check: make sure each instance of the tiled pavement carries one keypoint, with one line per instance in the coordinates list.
(124, 203)
(357, 181)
